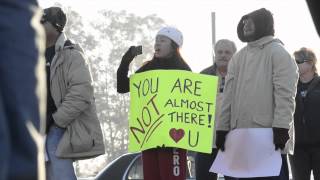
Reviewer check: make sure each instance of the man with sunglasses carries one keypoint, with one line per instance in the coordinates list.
(73, 130)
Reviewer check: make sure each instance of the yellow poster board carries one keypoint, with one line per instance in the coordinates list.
(172, 108)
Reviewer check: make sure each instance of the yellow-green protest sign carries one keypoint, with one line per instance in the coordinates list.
(172, 108)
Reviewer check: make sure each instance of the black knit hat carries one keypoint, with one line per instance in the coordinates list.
(264, 25)
(55, 16)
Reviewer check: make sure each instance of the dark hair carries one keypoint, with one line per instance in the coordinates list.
(306, 54)
(176, 49)
(263, 22)
(177, 53)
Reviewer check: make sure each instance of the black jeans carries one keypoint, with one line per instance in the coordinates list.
(303, 161)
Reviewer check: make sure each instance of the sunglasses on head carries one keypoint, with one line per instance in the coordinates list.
(300, 61)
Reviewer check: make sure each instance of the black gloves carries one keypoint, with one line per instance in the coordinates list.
(280, 137)
(220, 139)
(129, 55)
(122, 72)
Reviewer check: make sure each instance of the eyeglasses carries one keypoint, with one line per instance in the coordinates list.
(300, 61)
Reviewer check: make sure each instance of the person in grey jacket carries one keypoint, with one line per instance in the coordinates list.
(73, 130)
(223, 50)
(261, 83)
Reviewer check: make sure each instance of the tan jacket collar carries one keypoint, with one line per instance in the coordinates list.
(60, 42)
(263, 41)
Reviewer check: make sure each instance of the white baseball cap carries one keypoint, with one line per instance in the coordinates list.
(173, 33)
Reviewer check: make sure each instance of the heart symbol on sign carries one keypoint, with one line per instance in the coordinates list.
(176, 135)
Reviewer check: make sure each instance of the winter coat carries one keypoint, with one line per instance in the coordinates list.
(307, 115)
(260, 87)
(73, 95)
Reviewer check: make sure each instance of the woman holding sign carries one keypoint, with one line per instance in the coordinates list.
(159, 163)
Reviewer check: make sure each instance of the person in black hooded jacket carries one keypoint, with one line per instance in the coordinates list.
(306, 155)
(158, 162)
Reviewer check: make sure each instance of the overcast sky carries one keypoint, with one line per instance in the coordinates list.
(293, 23)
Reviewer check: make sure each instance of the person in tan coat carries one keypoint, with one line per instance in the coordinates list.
(73, 129)
(261, 83)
